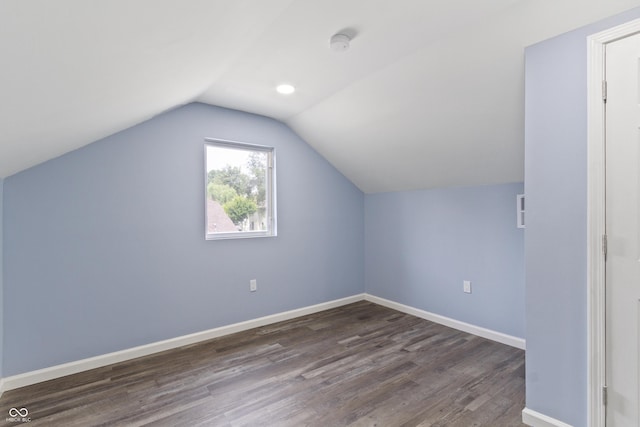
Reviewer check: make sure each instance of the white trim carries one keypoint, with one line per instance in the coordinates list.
(596, 224)
(452, 323)
(536, 419)
(40, 375)
(58, 371)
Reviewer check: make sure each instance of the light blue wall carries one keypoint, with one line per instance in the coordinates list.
(421, 245)
(105, 249)
(556, 234)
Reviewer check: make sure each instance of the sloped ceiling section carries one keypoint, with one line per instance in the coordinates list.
(74, 71)
(430, 93)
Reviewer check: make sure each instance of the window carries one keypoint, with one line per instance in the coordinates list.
(239, 190)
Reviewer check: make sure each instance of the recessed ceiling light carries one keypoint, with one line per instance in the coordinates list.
(285, 89)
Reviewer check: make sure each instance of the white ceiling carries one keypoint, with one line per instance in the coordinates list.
(430, 94)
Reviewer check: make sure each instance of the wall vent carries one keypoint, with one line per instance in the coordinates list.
(520, 210)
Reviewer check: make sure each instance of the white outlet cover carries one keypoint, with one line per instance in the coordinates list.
(466, 286)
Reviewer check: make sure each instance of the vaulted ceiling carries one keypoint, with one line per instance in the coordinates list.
(430, 94)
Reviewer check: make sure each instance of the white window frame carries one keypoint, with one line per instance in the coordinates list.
(270, 190)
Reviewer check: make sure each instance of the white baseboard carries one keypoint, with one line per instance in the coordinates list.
(536, 419)
(40, 375)
(452, 323)
(33, 377)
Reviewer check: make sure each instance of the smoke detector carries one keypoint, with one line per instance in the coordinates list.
(339, 42)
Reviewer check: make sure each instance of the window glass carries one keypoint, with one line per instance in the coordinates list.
(239, 190)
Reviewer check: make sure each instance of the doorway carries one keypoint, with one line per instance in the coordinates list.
(622, 213)
(614, 237)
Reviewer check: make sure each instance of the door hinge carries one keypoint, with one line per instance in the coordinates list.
(604, 396)
(604, 246)
(604, 91)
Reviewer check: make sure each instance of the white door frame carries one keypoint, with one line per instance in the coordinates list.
(596, 224)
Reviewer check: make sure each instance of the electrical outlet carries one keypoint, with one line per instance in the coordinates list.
(253, 285)
(466, 286)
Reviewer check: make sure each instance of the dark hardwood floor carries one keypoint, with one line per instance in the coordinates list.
(357, 365)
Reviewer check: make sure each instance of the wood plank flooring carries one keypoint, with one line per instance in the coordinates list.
(356, 365)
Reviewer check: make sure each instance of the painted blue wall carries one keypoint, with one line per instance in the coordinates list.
(421, 245)
(105, 250)
(556, 234)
